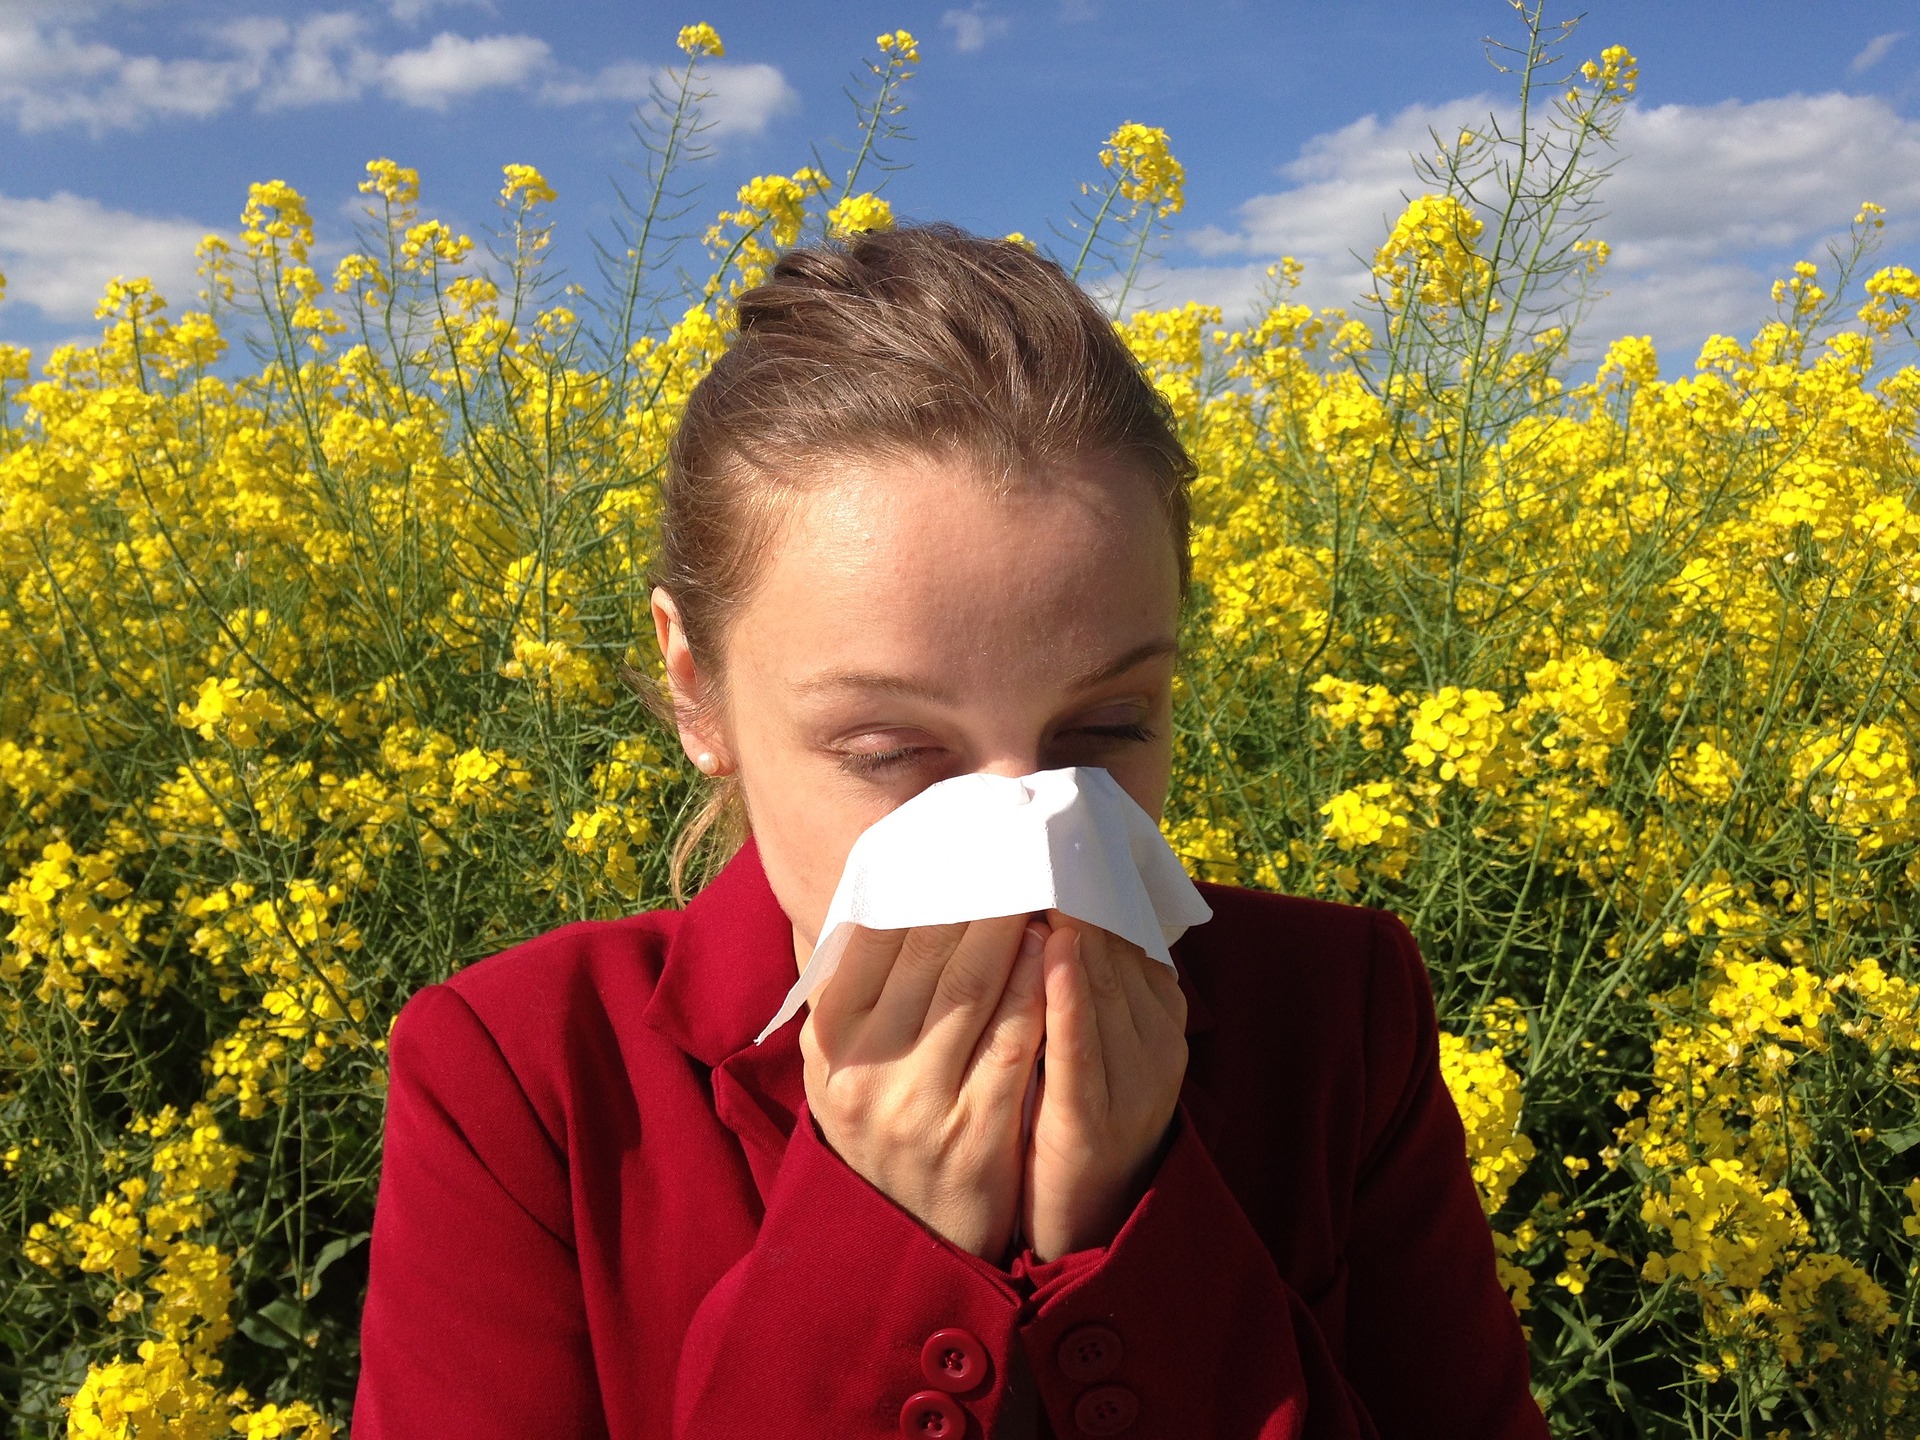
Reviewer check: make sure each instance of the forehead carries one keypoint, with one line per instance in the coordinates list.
(924, 562)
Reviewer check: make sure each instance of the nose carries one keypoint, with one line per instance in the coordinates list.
(1013, 763)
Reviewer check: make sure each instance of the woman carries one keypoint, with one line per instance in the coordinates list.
(927, 517)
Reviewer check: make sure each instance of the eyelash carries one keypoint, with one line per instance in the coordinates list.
(883, 760)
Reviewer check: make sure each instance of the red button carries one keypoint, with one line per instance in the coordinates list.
(953, 1360)
(932, 1415)
(1091, 1352)
(1106, 1410)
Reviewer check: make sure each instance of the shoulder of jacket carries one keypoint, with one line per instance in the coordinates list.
(549, 976)
(1272, 944)
(1245, 916)
(527, 1017)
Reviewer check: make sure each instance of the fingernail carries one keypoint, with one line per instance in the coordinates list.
(1032, 942)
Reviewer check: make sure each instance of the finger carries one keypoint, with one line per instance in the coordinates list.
(1154, 1001)
(1112, 1007)
(1075, 1059)
(969, 986)
(1002, 1063)
(854, 987)
(1030, 1151)
(1157, 1049)
(901, 1010)
(1163, 983)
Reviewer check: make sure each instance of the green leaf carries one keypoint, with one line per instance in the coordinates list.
(329, 1253)
(275, 1324)
(1900, 1141)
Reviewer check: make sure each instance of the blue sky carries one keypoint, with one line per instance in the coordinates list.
(128, 129)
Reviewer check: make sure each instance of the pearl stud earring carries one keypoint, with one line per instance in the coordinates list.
(705, 761)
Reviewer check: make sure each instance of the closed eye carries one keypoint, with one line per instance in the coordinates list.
(1134, 731)
(875, 762)
(879, 762)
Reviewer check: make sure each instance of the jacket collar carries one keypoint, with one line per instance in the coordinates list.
(730, 963)
(728, 966)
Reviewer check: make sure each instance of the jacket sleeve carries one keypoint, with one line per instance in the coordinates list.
(847, 1317)
(475, 1322)
(1183, 1326)
(1215, 1344)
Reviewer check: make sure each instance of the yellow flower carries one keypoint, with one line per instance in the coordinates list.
(276, 213)
(1141, 161)
(1486, 1091)
(1891, 295)
(227, 709)
(1861, 780)
(1373, 815)
(1615, 75)
(1705, 773)
(700, 40)
(1369, 709)
(525, 186)
(398, 185)
(431, 241)
(855, 213)
(1630, 362)
(1430, 253)
(1463, 734)
(900, 47)
(1582, 705)
(162, 1393)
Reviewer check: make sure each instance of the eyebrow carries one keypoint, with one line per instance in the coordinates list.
(909, 688)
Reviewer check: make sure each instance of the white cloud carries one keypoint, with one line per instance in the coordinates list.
(322, 62)
(1706, 204)
(51, 76)
(1349, 184)
(412, 12)
(746, 97)
(59, 253)
(626, 80)
(973, 27)
(453, 65)
(1703, 180)
(741, 99)
(1875, 50)
(1236, 289)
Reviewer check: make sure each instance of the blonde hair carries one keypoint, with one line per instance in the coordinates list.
(923, 341)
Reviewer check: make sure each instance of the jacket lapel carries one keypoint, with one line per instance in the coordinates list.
(726, 970)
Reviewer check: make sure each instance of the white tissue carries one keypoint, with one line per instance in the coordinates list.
(980, 845)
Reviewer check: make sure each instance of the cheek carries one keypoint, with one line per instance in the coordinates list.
(803, 823)
(1145, 771)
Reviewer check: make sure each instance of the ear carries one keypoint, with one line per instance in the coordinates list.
(686, 684)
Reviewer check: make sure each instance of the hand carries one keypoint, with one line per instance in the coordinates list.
(917, 1056)
(1116, 1053)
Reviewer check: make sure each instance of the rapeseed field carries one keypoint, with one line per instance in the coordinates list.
(323, 614)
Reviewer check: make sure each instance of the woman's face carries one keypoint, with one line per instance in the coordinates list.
(912, 625)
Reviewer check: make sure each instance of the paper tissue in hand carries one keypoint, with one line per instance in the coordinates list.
(980, 845)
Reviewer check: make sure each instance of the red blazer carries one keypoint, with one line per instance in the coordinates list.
(604, 1212)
